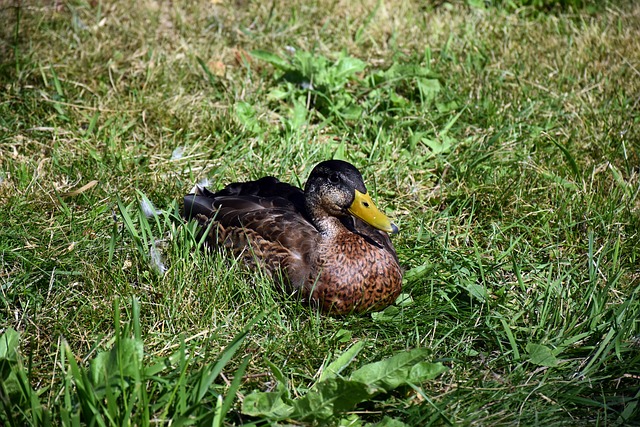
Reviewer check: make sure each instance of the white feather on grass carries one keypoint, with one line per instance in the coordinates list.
(147, 207)
(155, 258)
(177, 153)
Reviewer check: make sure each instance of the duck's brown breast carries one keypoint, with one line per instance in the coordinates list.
(354, 276)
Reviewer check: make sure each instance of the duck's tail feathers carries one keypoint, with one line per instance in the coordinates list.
(198, 202)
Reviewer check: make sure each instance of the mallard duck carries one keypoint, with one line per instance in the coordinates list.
(329, 242)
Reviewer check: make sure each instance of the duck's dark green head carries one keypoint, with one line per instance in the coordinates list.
(338, 189)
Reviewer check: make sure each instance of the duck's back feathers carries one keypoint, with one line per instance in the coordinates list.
(266, 192)
(264, 215)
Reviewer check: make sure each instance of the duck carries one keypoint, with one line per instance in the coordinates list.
(328, 242)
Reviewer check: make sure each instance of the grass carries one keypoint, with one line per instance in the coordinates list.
(503, 140)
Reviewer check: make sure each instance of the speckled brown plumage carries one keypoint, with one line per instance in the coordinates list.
(328, 242)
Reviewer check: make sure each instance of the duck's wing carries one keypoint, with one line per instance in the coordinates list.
(268, 188)
(266, 192)
(254, 216)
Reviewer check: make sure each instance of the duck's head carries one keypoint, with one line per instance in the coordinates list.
(336, 188)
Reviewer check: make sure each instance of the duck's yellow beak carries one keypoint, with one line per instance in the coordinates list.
(364, 208)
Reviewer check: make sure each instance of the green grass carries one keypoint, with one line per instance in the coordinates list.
(504, 141)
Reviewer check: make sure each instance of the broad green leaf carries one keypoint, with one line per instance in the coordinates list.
(341, 362)
(330, 397)
(9, 342)
(405, 71)
(343, 335)
(124, 360)
(351, 420)
(393, 313)
(541, 355)
(417, 273)
(404, 300)
(389, 314)
(352, 112)
(447, 142)
(298, 114)
(278, 94)
(425, 371)
(272, 59)
(9, 366)
(429, 89)
(247, 116)
(437, 146)
(347, 67)
(398, 370)
(445, 107)
(477, 291)
(266, 404)
(477, 4)
(397, 100)
(339, 152)
(390, 422)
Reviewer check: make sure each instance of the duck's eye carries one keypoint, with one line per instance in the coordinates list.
(334, 178)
